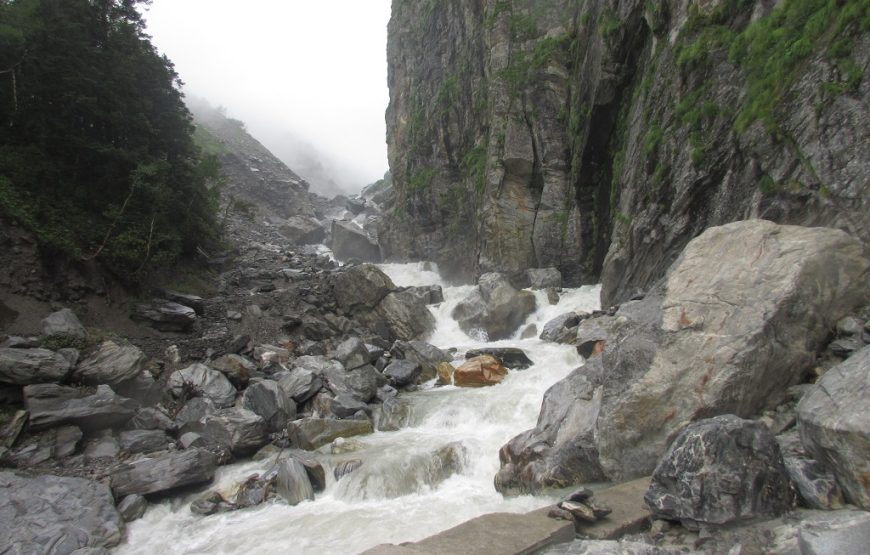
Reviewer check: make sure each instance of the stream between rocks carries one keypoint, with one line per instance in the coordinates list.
(431, 475)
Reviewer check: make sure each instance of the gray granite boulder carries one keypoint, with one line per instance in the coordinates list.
(132, 507)
(403, 373)
(312, 433)
(142, 441)
(55, 443)
(198, 380)
(426, 355)
(50, 514)
(268, 400)
(54, 405)
(110, 364)
(300, 384)
(32, 366)
(239, 430)
(719, 471)
(63, 322)
(728, 331)
(350, 241)
(494, 307)
(834, 423)
(164, 472)
(352, 353)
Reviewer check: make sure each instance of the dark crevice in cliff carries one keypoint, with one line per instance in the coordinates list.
(603, 143)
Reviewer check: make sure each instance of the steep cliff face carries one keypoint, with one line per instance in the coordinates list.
(601, 136)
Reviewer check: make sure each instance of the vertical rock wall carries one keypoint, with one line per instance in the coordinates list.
(601, 136)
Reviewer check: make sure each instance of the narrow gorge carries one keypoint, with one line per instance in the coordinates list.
(611, 297)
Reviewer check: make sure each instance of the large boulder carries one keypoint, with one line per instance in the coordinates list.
(51, 444)
(268, 400)
(350, 241)
(403, 373)
(198, 380)
(352, 353)
(361, 287)
(300, 384)
(720, 470)
(728, 331)
(30, 366)
(312, 433)
(405, 315)
(111, 364)
(426, 355)
(239, 430)
(302, 230)
(494, 307)
(479, 371)
(51, 514)
(361, 383)
(164, 472)
(511, 357)
(816, 485)
(54, 405)
(834, 423)
(559, 451)
(562, 328)
(63, 322)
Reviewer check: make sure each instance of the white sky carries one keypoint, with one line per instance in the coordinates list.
(312, 68)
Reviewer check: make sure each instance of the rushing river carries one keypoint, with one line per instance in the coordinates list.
(400, 493)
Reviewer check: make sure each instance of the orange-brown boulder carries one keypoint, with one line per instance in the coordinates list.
(479, 371)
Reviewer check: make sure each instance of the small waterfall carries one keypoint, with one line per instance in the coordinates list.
(429, 476)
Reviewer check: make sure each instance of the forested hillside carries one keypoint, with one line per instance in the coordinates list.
(96, 151)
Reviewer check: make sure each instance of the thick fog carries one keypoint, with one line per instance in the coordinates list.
(309, 79)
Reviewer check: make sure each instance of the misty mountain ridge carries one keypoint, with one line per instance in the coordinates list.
(325, 175)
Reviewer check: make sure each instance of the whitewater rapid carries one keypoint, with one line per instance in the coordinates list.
(399, 494)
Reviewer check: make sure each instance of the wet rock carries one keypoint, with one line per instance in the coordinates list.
(361, 287)
(622, 547)
(552, 455)
(530, 332)
(562, 328)
(361, 383)
(142, 441)
(427, 355)
(302, 230)
(32, 366)
(164, 472)
(405, 315)
(312, 433)
(510, 357)
(352, 353)
(53, 405)
(198, 380)
(239, 430)
(494, 307)
(344, 468)
(165, 315)
(339, 406)
(252, 492)
(427, 294)
(479, 371)
(50, 514)
(268, 400)
(343, 446)
(728, 332)
(152, 418)
(56, 443)
(236, 368)
(393, 414)
(63, 322)
(293, 483)
(543, 278)
(132, 507)
(834, 424)
(403, 373)
(695, 481)
(445, 372)
(300, 384)
(111, 364)
(349, 241)
(211, 503)
(316, 472)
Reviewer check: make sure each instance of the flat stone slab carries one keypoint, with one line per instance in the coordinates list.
(630, 514)
(491, 534)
